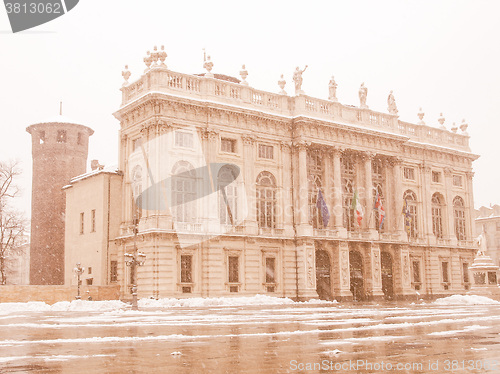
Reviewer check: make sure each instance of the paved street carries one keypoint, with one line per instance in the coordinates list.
(287, 338)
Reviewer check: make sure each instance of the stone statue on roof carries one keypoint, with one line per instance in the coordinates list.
(363, 93)
(391, 104)
(332, 90)
(297, 78)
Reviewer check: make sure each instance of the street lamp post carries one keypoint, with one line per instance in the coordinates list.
(78, 271)
(133, 260)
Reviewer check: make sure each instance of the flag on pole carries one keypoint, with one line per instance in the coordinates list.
(322, 208)
(380, 209)
(356, 206)
(407, 218)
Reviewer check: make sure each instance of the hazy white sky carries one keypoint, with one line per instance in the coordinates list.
(441, 55)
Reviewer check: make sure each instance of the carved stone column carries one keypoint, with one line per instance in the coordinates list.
(306, 270)
(340, 272)
(469, 207)
(212, 213)
(375, 272)
(426, 211)
(450, 218)
(249, 178)
(367, 159)
(328, 185)
(402, 281)
(337, 212)
(398, 195)
(287, 208)
(303, 191)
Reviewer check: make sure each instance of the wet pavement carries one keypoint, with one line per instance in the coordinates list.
(297, 338)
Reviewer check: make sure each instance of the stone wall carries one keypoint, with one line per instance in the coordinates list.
(53, 294)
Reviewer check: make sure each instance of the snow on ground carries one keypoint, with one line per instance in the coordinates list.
(466, 300)
(110, 305)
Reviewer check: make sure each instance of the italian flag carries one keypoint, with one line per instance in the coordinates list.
(356, 206)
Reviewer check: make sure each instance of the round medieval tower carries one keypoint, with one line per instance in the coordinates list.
(59, 150)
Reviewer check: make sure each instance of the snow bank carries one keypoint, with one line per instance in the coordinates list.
(111, 305)
(466, 300)
(31, 306)
(88, 306)
(214, 301)
(62, 306)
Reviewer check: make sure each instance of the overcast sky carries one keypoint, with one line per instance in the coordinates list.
(441, 55)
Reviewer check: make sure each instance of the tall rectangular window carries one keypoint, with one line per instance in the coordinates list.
(457, 180)
(228, 145)
(465, 271)
(79, 139)
(266, 151)
(183, 139)
(416, 272)
(82, 222)
(186, 268)
(409, 173)
(113, 271)
(444, 269)
(436, 177)
(61, 136)
(270, 268)
(233, 269)
(42, 136)
(92, 220)
(136, 143)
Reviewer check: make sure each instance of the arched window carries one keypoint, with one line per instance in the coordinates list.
(459, 216)
(228, 195)
(136, 192)
(437, 215)
(411, 223)
(266, 200)
(183, 192)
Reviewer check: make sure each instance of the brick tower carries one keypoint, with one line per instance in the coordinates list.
(59, 149)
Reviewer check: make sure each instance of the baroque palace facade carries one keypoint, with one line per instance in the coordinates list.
(273, 154)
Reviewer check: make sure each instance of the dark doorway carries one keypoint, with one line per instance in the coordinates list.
(323, 282)
(356, 272)
(387, 279)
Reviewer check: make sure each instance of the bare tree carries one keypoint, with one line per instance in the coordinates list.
(12, 222)
(8, 171)
(12, 228)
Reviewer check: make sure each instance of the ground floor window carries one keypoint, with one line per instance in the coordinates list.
(113, 271)
(417, 280)
(233, 272)
(445, 273)
(270, 274)
(186, 272)
(465, 271)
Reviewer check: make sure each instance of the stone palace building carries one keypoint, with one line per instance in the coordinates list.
(237, 191)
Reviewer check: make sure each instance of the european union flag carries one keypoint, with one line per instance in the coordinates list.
(322, 208)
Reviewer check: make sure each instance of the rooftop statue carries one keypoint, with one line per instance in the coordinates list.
(332, 90)
(363, 92)
(297, 78)
(391, 104)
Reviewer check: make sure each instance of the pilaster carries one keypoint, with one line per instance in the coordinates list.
(340, 271)
(306, 270)
(450, 217)
(375, 272)
(249, 177)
